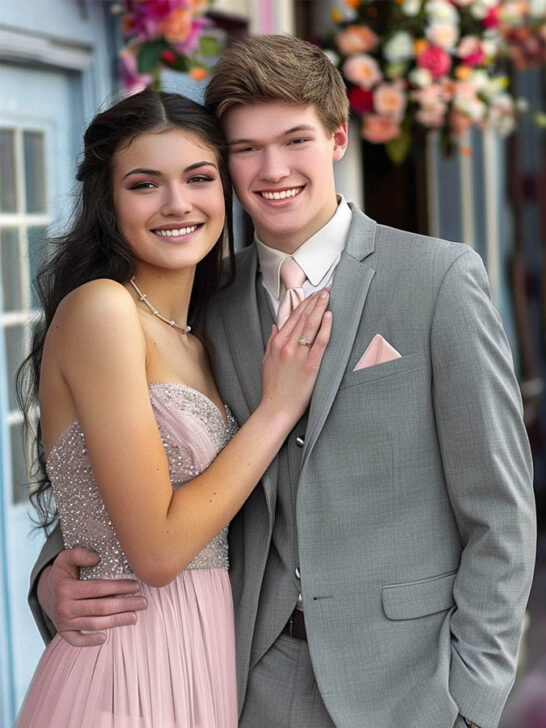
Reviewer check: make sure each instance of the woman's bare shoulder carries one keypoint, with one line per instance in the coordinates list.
(96, 312)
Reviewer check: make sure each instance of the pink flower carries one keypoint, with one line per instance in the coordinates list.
(379, 129)
(132, 80)
(433, 118)
(360, 99)
(362, 70)
(177, 26)
(189, 45)
(356, 39)
(144, 16)
(435, 60)
(471, 51)
(390, 100)
(492, 19)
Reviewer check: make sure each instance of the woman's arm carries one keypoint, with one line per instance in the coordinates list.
(103, 356)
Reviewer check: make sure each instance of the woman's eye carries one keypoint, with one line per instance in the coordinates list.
(142, 186)
(201, 178)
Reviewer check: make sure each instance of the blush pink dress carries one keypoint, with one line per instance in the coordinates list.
(175, 668)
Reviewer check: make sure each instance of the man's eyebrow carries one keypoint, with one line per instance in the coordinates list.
(287, 132)
(157, 173)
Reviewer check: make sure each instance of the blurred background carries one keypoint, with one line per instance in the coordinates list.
(447, 139)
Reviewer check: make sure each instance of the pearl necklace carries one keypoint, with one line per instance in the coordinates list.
(144, 298)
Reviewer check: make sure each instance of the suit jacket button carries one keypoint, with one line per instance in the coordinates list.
(300, 441)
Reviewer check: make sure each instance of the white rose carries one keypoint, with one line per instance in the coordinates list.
(496, 86)
(480, 79)
(411, 7)
(420, 77)
(490, 48)
(443, 35)
(399, 47)
(441, 12)
(478, 10)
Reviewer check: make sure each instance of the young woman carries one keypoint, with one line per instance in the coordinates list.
(145, 462)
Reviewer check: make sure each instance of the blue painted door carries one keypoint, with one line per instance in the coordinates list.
(40, 127)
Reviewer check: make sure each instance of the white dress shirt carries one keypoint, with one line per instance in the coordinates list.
(318, 256)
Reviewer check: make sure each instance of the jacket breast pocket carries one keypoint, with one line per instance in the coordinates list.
(391, 368)
(418, 598)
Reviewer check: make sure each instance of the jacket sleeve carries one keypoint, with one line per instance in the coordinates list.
(488, 469)
(51, 548)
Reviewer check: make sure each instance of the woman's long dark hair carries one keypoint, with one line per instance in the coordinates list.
(95, 248)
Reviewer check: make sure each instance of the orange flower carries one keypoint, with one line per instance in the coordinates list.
(336, 15)
(463, 73)
(419, 46)
(379, 129)
(352, 3)
(198, 6)
(177, 27)
(198, 74)
(356, 39)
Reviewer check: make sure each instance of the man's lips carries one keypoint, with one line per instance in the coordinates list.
(284, 194)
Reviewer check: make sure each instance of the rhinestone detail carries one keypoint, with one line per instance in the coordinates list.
(83, 516)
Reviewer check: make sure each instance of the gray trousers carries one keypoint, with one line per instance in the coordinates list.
(282, 691)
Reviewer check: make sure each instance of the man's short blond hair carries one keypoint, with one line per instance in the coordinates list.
(278, 68)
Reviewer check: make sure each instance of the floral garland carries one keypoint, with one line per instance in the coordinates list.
(164, 34)
(428, 63)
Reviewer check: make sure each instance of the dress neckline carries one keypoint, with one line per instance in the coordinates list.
(151, 385)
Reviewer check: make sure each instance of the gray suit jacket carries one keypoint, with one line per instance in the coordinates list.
(415, 510)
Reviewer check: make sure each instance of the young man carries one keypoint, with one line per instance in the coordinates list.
(381, 570)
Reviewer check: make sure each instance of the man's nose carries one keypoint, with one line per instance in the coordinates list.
(274, 166)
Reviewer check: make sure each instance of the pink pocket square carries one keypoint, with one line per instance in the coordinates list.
(378, 352)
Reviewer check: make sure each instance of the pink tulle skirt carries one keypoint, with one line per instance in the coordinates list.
(175, 668)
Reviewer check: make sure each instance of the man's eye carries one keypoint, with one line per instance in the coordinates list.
(242, 150)
(298, 141)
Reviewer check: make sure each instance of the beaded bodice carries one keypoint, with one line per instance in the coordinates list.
(193, 431)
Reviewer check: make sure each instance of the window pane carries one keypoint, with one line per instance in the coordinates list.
(15, 349)
(8, 200)
(10, 269)
(19, 470)
(36, 244)
(35, 186)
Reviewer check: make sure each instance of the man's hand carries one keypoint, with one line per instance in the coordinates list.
(81, 609)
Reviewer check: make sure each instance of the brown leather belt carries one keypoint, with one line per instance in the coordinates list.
(295, 627)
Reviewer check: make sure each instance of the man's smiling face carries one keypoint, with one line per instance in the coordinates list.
(281, 162)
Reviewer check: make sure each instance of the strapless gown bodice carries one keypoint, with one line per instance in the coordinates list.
(193, 431)
(175, 667)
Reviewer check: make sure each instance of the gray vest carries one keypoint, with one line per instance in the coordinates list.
(280, 586)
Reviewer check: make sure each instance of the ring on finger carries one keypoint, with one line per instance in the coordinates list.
(305, 341)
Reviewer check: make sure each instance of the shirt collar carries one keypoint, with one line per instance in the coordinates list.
(315, 256)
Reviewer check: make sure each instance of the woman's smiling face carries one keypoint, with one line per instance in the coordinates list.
(168, 198)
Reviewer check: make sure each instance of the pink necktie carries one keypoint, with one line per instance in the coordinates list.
(293, 279)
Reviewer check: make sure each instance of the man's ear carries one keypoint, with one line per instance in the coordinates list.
(340, 141)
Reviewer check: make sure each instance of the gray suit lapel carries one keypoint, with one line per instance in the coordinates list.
(349, 290)
(244, 333)
(247, 346)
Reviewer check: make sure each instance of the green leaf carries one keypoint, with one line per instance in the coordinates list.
(209, 46)
(149, 55)
(397, 149)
